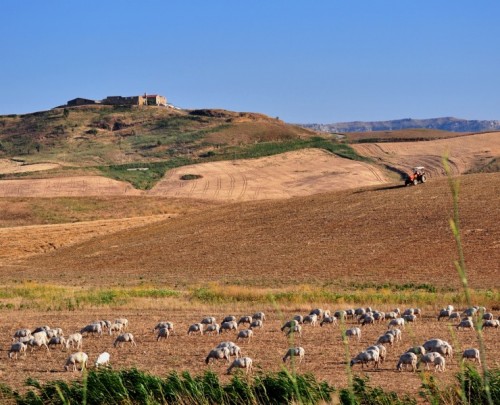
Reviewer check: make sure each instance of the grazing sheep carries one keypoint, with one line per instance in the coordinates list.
(439, 364)
(417, 311)
(453, 316)
(76, 358)
(17, 347)
(469, 312)
(256, 323)
(342, 315)
(396, 333)
(450, 308)
(418, 350)
(21, 333)
(214, 327)
(407, 359)
(227, 326)
(245, 320)
(398, 322)
(54, 332)
(491, 324)
(378, 316)
(410, 318)
(445, 350)
(409, 311)
(259, 315)
(465, 324)
(359, 311)
(102, 360)
(38, 341)
(328, 319)
(194, 328)
(382, 351)
(318, 312)
(115, 327)
(353, 332)
(311, 319)
(349, 313)
(208, 320)
(428, 358)
(124, 338)
(123, 321)
(387, 338)
(444, 313)
(76, 339)
(488, 316)
(44, 328)
(163, 333)
(367, 357)
(296, 329)
(94, 328)
(219, 353)
(391, 315)
(242, 362)
(57, 340)
(165, 324)
(245, 334)
(367, 320)
(294, 352)
(298, 318)
(230, 318)
(289, 324)
(234, 350)
(471, 354)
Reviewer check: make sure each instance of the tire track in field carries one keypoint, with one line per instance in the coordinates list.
(244, 187)
(218, 186)
(232, 182)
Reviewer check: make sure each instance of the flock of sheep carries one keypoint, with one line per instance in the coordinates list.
(431, 352)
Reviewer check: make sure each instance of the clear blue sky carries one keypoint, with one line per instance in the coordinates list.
(304, 61)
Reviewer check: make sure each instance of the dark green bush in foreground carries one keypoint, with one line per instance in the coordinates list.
(132, 386)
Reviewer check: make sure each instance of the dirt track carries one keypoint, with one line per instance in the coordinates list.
(325, 353)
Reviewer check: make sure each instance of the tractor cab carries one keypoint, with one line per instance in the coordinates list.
(417, 176)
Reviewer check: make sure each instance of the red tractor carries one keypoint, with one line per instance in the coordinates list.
(417, 176)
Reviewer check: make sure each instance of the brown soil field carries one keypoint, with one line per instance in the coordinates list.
(8, 166)
(381, 234)
(417, 134)
(304, 172)
(325, 352)
(465, 153)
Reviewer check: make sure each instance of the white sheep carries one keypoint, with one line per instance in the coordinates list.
(17, 347)
(410, 318)
(328, 319)
(259, 315)
(195, 328)
(242, 362)
(124, 338)
(488, 316)
(245, 334)
(318, 312)
(453, 316)
(342, 315)
(208, 320)
(76, 358)
(74, 340)
(382, 351)
(349, 313)
(387, 338)
(44, 328)
(93, 328)
(227, 326)
(229, 318)
(102, 360)
(428, 358)
(469, 312)
(398, 322)
(444, 313)
(491, 324)
(298, 318)
(219, 353)
(38, 341)
(445, 350)
(115, 327)
(439, 364)
(418, 350)
(296, 329)
(367, 320)
(54, 332)
(311, 319)
(396, 333)
(21, 333)
(123, 321)
(465, 324)
(247, 319)
(234, 350)
(57, 340)
(294, 352)
(407, 359)
(210, 329)
(256, 323)
(359, 311)
(367, 357)
(429, 345)
(471, 354)
(353, 332)
(391, 315)
(163, 333)
(378, 316)
(289, 324)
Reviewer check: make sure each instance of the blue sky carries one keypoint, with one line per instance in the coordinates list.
(315, 61)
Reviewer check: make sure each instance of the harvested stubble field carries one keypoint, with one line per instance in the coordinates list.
(325, 352)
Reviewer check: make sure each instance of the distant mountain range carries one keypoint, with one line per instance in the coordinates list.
(445, 124)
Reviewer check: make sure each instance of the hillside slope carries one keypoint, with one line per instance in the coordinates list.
(378, 235)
